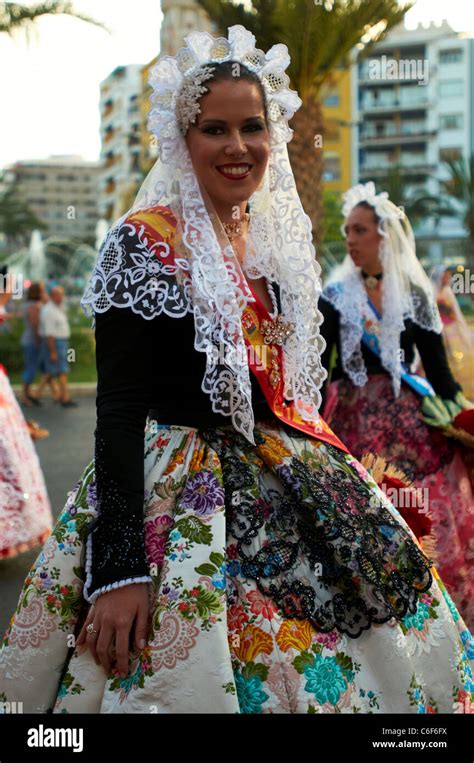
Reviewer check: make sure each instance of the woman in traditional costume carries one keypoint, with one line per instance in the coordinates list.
(378, 306)
(222, 526)
(25, 512)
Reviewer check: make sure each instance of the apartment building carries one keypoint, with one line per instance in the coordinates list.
(62, 191)
(120, 131)
(415, 109)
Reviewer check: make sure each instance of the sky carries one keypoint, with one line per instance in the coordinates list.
(49, 87)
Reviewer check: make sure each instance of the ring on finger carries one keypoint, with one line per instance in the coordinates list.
(91, 630)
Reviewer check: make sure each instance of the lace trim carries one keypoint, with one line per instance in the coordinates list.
(150, 278)
(133, 272)
(350, 312)
(113, 586)
(325, 521)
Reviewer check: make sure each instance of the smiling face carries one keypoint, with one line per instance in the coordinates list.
(230, 144)
(363, 239)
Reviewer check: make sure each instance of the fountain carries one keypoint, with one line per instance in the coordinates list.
(37, 259)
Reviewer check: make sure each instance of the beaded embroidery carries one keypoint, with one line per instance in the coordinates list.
(115, 550)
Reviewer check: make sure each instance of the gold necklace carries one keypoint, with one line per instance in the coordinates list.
(235, 229)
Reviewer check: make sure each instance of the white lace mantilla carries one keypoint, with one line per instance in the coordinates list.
(206, 277)
(346, 292)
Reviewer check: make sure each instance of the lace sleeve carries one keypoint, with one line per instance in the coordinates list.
(115, 551)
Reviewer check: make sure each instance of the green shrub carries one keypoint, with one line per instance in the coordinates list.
(81, 341)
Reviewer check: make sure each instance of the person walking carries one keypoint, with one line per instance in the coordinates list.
(55, 332)
(31, 342)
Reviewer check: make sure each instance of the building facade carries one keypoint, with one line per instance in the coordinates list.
(338, 135)
(414, 110)
(62, 191)
(180, 17)
(120, 132)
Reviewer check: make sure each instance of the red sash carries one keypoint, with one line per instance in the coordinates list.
(266, 362)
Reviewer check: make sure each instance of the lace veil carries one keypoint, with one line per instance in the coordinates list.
(406, 289)
(206, 278)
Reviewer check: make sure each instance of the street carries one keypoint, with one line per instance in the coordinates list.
(63, 456)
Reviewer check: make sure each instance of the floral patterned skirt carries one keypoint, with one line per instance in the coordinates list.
(370, 419)
(216, 642)
(25, 512)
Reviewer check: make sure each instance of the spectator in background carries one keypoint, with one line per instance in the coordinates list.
(36, 431)
(5, 296)
(55, 332)
(47, 379)
(31, 342)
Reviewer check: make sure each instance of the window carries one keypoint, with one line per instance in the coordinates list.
(451, 87)
(332, 166)
(448, 154)
(451, 56)
(332, 99)
(451, 121)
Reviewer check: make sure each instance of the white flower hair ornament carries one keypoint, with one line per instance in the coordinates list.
(383, 207)
(178, 84)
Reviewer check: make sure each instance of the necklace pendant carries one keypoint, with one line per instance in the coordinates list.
(371, 282)
(276, 331)
(235, 229)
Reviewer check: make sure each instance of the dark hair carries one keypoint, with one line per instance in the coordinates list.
(366, 205)
(226, 72)
(34, 292)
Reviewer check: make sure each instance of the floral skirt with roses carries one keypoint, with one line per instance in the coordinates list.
(283, 582)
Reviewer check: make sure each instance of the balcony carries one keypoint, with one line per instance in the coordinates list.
(381, 105)
(396, 136)
(409, 164)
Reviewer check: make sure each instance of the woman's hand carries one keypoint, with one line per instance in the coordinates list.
(113, 616)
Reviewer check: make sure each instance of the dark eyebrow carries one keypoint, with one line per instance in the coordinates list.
(223, 122)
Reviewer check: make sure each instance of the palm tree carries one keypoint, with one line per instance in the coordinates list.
(320, 38)
(20, 17)
(459, 187)
(417, 206)
(17, 220)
